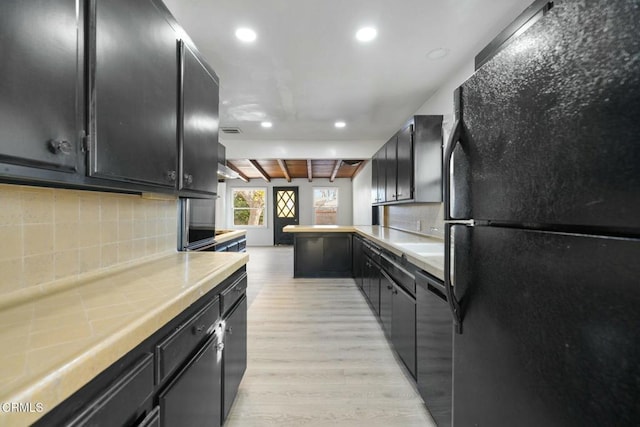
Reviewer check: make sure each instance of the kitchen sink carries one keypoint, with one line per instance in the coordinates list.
(423, 249)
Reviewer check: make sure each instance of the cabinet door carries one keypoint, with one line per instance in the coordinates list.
(374, 287)
(403, 327)
(404, 164)
(391, 169)
(193, 397)
(199, 154)
(386, 302)
(234, 354)
(135, 94)
(378, 183)
(41, 83)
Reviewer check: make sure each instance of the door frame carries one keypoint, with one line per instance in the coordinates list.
(280, 238)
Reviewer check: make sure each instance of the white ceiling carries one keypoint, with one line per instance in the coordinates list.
(306, 70)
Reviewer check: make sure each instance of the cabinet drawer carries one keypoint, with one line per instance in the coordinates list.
(399, 274)
(233, 293)
(119, 404)
(175, 348)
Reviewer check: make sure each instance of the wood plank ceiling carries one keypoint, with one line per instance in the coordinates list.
(269, 169)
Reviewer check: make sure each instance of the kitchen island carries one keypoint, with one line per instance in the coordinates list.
(56, 341)
(316, 246)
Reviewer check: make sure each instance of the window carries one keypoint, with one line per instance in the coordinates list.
(325, 206)
(249, 205)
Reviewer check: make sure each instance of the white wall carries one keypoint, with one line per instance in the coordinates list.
(263, 236)
(362, 196)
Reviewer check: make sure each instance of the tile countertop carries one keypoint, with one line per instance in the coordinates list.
(389, 239)
(226, 235)
(54, 344)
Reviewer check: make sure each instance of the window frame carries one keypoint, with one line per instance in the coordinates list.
(313, 203)
(265, 220)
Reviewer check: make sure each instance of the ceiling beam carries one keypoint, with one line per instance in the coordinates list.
(309, 171)
(261, 171)
(285, 170)
(335, 170)
(360, 167)
(236, 170)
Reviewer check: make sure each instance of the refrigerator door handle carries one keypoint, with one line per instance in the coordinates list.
(454, 305)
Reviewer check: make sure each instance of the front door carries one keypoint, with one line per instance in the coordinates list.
(285, 212)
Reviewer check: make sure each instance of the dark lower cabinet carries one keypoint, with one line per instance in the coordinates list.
(191, 398)
(120, 403)
(434, 348)
(234, 354)
(322, 255)
(386, 302)
(357, 259)
(174, 378)
(403, 327)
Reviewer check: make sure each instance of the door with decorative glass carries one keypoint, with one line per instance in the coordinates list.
(285, 212)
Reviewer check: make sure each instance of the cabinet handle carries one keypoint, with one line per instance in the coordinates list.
(399, 194)
(237, 290)
(171, 176)
(188, 178)
(220, 346)
(60, 147)
(389, 287)
(198, 329)
(229, 331)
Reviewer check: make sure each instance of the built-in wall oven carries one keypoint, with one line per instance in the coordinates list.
(197, 224)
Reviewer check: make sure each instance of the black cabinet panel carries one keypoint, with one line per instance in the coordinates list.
(192, 398)
(378, 176)
(199, 161)
(404, 164)
(173, 350)
(322, 255)
(234, 355)
(403, 327)
(391, 169)
(434, 348)
(386, 302)
(134, 96)
(120, 403)
(41, 77)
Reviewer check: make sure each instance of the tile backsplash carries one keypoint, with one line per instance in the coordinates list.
(49, 234)
(422, 218)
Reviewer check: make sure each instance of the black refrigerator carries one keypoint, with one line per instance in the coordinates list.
(542, 202)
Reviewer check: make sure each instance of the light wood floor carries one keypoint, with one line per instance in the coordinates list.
(317, 355)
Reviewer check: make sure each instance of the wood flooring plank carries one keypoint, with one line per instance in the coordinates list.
(317, 355)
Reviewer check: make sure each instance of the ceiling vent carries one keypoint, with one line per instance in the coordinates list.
(230, 130)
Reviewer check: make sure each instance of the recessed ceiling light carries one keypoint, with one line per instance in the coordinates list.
(339, 124)
(366, 34)
(438, 53)
(266, 124)
(246, 35)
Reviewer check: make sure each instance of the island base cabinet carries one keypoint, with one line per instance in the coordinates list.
(191, 399)
(234, 355)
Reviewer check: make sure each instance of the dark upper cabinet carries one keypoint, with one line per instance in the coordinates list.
(199, 145)
(133, 94)
(391, 169)
(412, 169)
(378, 177)
(41, 85)
(404, 164)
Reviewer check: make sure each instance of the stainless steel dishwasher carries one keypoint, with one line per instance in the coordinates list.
(434, 347)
